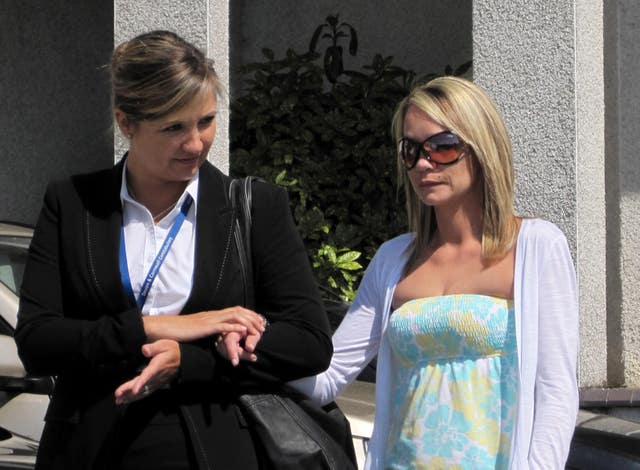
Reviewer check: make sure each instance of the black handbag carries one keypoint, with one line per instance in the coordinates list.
(293, 432)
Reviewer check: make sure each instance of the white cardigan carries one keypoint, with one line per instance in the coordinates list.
(546, 308)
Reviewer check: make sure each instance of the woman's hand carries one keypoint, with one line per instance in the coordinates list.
(232, 347)
(184, 328)
(163, 367)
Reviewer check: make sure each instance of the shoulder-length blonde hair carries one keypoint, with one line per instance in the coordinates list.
(463, 108)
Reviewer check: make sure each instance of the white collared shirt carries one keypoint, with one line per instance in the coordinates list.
(143, 239)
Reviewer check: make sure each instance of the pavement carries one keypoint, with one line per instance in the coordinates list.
(612, 424)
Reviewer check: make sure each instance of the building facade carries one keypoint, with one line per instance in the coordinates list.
(564, 73)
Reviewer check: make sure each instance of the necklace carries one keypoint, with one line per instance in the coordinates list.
(159, 215)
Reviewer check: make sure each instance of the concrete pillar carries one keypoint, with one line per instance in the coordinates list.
(628, 125)
(542, 63)
(591, 257)
(203, 22)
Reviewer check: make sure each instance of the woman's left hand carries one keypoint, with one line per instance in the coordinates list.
(164, 356)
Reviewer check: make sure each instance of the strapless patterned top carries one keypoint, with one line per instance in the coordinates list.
(454, 383)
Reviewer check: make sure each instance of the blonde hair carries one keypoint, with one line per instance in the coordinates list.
(463, 108)
(157, 73)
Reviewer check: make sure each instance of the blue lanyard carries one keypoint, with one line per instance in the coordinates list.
(162, 254)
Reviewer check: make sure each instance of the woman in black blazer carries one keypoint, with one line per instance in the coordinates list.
(139, 381)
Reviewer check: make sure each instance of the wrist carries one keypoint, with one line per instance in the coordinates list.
(152, 327)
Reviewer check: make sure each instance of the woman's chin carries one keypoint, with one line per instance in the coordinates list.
(186, 168)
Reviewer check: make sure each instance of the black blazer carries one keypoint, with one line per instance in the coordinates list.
(76, 322)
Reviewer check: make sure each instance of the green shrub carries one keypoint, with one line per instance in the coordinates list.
(330, 146)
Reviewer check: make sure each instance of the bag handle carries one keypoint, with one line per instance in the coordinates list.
(240, 197)
(325, 434)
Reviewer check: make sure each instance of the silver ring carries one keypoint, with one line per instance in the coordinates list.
(146, 390)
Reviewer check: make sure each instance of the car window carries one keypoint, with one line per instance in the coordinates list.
(13, 256)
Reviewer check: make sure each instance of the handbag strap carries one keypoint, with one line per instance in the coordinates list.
(240, 198)
(329, 429)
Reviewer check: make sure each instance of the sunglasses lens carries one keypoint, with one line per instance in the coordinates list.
(444, 147)
(408, 152)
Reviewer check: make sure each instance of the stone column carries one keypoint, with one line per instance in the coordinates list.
(542, 63)
(202, 22)
(628, 128)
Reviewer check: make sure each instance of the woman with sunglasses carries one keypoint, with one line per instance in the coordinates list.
(473, 315)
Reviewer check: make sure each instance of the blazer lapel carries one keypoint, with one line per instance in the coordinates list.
(214, 239)
(102, 222)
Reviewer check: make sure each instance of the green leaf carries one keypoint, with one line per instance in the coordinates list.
(463, 68)
(349, 256)
(280, 177)
(314, 37)
(330, 253)
(349, 265)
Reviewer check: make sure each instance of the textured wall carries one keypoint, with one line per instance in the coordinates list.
(629, 130)
(591, 214)
(524, 55)
(203, 22)
(542, 62)
(55, 97)
(422, 36)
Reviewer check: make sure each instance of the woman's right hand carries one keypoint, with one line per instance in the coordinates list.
(163, 366)
(235, 348)
(184, 328)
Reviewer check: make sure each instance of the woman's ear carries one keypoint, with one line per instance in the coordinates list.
(124, 124)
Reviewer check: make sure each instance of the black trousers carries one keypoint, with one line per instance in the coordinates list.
(153, 433)
(150, 434)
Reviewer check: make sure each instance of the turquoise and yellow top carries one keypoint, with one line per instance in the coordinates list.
(455, 383)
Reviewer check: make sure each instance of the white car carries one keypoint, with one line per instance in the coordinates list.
(21, 412)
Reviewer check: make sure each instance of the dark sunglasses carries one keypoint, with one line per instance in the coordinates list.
(443, 148)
